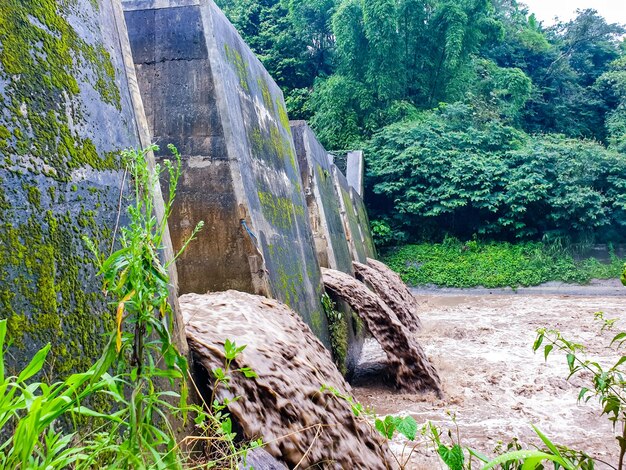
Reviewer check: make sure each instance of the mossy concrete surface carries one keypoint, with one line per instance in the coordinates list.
(365, 231)
(322, 200)
(66, 114)
(329, 233)
(350, 217)
(206, 92)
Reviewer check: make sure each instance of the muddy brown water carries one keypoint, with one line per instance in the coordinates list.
(492, 380)
(300, 425)
(409, 367)
(390, 288)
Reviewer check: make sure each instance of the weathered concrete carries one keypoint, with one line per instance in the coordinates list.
(331, 243)
(206, 92)
(363, 221)
(322, 200)
(69, 105)
(350, 217)
(355, 170)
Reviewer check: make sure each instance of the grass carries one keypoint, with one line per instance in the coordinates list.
(495, 264)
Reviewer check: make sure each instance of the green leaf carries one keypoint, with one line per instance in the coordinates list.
(35, 364)
(219, 374)
(3, 332)
(538, 342)
(387, 427)
(566, 463)
(583, 392)
(546, 351)
(83, 410)
(531, 463)
(227, 426)
(407, 426)
(478, 455)
(619, 337)
(620, 362)
(453, 456)
(520, 455)
(249, 373)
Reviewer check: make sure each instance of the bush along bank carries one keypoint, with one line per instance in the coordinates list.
(453, 263)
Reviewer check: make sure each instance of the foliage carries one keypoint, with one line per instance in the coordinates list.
(606, 384)
(28, 412)
(338, 331)
(425, 52)
(144, 348)
(494, 264)
(148, 391)
(453, 454)
(388, 426)
(216, 425)
(458, 171)
(515, 457)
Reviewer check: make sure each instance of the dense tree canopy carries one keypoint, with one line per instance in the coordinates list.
(502, 158)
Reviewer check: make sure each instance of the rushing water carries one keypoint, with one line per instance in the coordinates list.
(390, 288)
(411, 368)
(299, 424)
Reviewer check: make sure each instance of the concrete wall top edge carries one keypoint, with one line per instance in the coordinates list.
(132, 5)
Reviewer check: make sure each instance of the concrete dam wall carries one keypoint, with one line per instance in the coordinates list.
(75, 76)
(206, 92)
(69, 105)
(71, 102)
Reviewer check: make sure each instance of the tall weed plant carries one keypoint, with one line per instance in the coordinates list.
(141, 376)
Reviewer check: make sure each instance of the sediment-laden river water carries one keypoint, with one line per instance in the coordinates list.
(492, 380)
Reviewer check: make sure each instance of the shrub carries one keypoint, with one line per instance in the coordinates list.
(452, 172)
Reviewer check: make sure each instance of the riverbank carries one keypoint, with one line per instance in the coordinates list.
(595, 288)
(499, 264)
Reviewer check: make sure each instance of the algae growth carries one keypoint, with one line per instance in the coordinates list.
(47, 68)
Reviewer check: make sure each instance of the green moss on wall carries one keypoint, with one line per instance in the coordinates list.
(42, 292)
(280, 212)
(33, 195)
(353, 225)
(282, 115)
(338, 333)
(48, 289)
(241, 68)
(265, 93)
(40, 59)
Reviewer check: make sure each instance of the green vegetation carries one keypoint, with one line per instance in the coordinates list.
(454, 171)
(338, 332)
(141, 376)
(476, 118)
(494, 264)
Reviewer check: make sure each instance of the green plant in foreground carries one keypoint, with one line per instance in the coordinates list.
(222, 379)
(30, 410)
(388, 427)
(146, 356)
(607, 384)
(515, 457)
(214, 422)
(148, 391)
(457, 457)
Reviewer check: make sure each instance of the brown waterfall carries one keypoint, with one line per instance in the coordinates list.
(391, 289)
(412, 370)
(300, 425)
